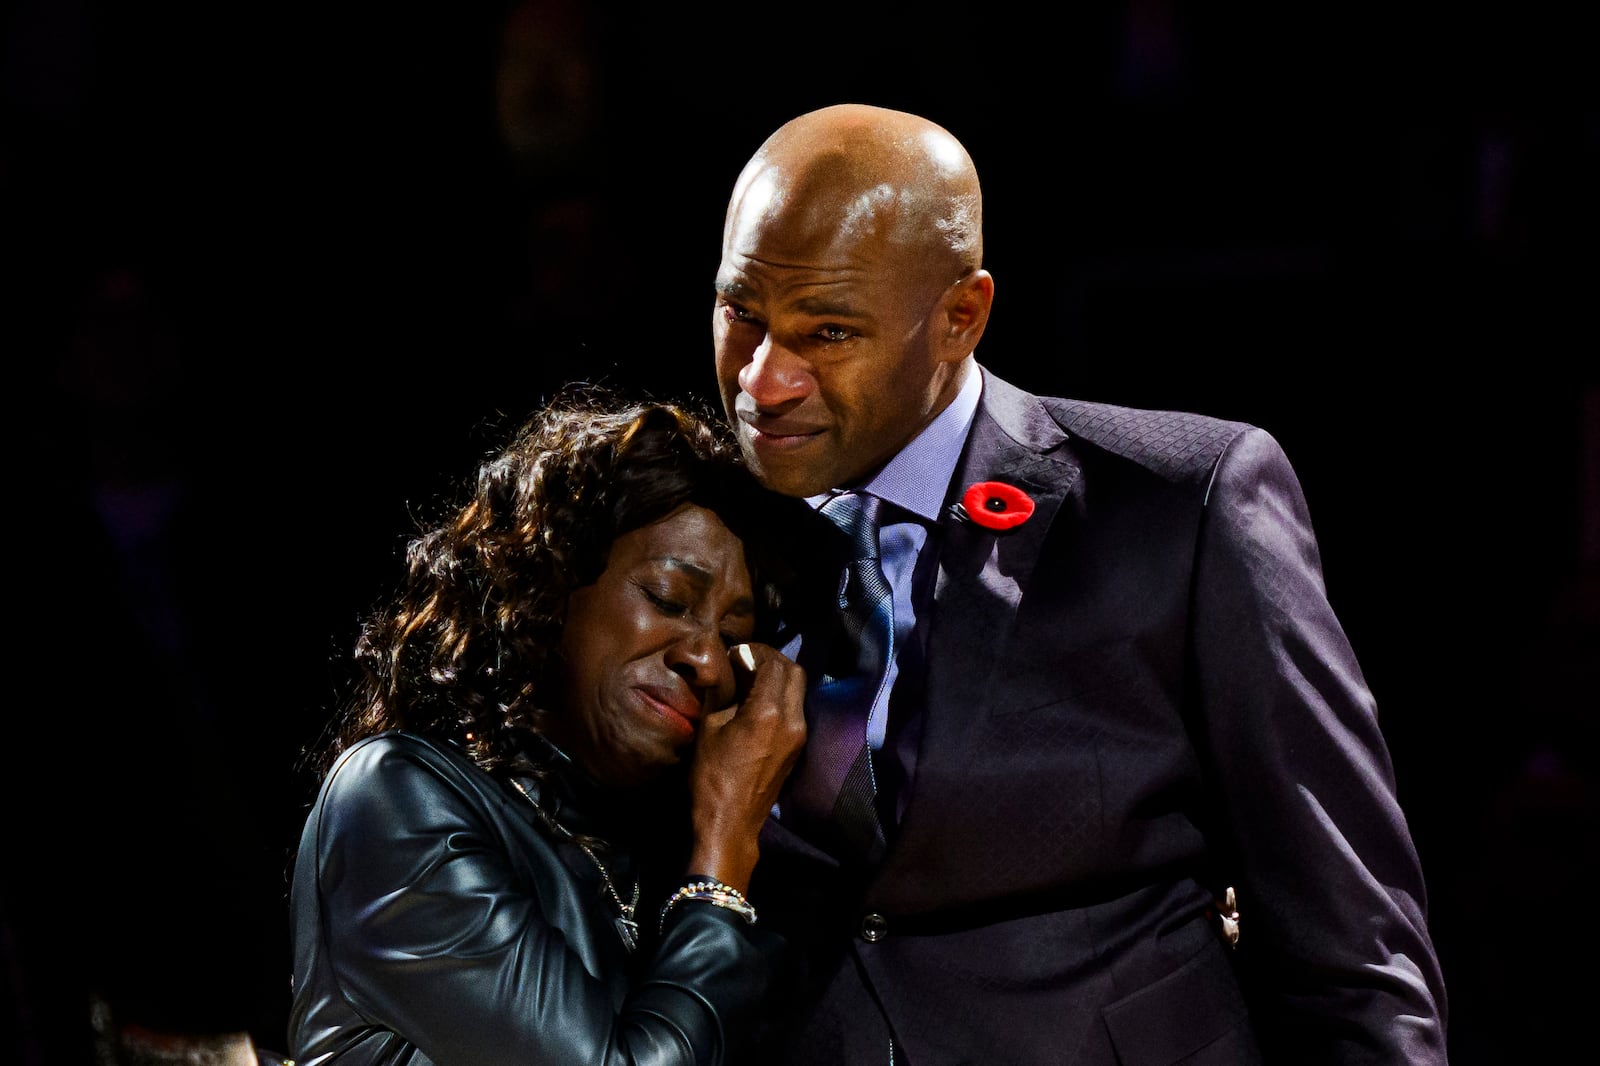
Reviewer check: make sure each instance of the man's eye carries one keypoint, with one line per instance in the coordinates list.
(735, 313)
(835, 334)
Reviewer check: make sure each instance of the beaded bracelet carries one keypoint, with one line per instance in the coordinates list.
(712, 891)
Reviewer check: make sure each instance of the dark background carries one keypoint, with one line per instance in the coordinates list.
(275, 277)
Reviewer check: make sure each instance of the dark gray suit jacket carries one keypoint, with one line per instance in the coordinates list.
(1135, 698)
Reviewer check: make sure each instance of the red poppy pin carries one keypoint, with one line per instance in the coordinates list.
(995, 505)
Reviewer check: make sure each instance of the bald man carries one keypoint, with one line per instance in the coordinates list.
(1114, 687)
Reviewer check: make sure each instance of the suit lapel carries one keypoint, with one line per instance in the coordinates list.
(982, 571)
(980, 579)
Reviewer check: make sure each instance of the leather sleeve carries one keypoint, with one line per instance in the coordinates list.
(1335, 950)
(430, 934)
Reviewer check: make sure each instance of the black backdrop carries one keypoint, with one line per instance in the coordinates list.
(277, 277)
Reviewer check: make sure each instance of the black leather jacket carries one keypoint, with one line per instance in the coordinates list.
(436, 920)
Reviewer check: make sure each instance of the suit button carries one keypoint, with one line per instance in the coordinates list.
(874, 927)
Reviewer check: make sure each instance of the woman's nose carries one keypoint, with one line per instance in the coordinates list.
(701, 659)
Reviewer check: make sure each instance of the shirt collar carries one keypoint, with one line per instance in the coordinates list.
(918, 475)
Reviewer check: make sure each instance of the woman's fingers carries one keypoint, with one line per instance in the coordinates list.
(767, 726)
(744, 754)
(772, 687)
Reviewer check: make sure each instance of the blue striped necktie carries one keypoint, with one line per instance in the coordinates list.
(835, 787)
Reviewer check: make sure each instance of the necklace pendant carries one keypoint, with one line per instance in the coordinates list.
(628, 929)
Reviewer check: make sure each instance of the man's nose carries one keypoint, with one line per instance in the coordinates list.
(775, 376)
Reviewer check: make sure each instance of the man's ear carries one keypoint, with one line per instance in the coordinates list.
(966, 312)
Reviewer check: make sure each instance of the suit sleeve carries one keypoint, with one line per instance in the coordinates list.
(1335, 951)
(431, 936)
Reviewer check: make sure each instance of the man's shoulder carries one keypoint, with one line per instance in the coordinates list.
(1170, 443)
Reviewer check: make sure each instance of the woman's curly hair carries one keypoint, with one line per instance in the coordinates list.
(463, 649)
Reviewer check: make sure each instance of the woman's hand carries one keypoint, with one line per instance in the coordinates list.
(743, 756)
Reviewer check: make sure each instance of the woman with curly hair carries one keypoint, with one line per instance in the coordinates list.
(537, 815)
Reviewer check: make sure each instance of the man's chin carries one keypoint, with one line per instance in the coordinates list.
(790, 468)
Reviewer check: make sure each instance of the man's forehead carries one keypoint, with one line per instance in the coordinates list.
(807, 288)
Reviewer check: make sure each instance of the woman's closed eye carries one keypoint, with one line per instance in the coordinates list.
(664, 602)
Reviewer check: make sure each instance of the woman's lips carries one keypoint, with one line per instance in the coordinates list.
(682, 715)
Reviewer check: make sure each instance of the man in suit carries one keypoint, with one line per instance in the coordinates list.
(1105, 685)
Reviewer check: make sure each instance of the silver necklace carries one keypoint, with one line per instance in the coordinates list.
(627, 928)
